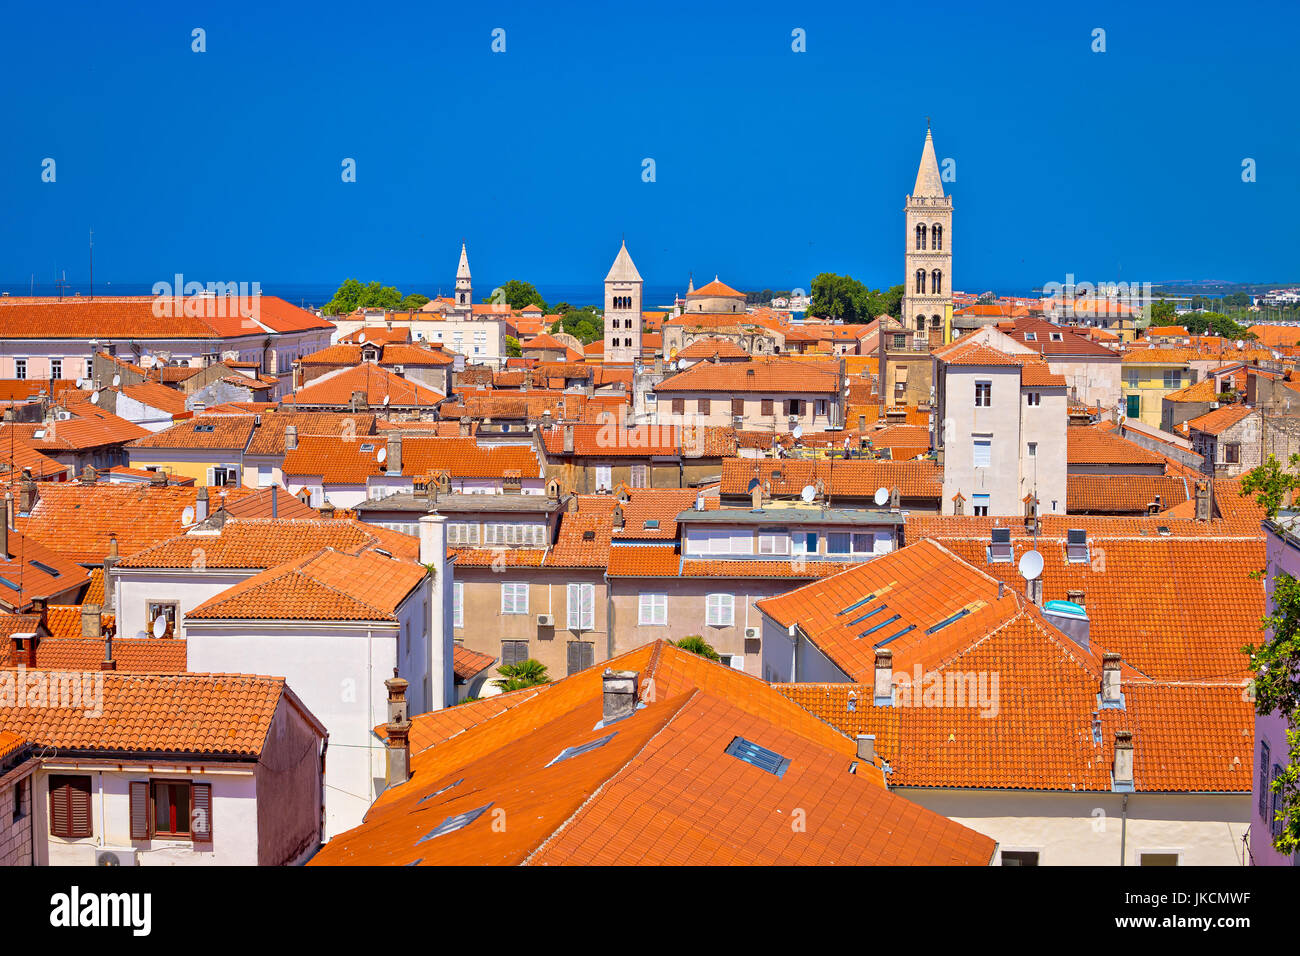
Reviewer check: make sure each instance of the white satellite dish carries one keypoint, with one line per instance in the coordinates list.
(159, 626)
(1240, 344)
(882, 496)
(82, 383)
(1031, 565)
(808, 493)
(383, 453)
(798, 432)
(187, 516)
(361, 338)
(387, 399)
(94, 398)
(117, 380)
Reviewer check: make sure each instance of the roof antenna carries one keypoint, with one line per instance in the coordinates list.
(92, 262)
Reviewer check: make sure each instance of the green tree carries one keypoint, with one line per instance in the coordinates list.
(412, 302)
(843, 297)
(1276, 661)
(698, 645)
(1162, 313)
(512, 347)
(585, 324)
(527, 673)
(352, 295)
(517, 294)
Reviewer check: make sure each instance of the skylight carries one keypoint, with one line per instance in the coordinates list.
(205, 427)
(894, 637)
(885, 623)
(9, 584)
(452, 824)
(948, 620)
(862, 617)
(568, 752)
(757, 756)
(41, 566)
(438, 793)
(652, 523)
(1076, 546)
(853, 607)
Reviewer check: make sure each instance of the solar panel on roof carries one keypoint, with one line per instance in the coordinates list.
(757, 756)
(876, 627)
(894, 637)
(568, 752)
(454, 823)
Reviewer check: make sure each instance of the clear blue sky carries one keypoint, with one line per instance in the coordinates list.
(771, 165)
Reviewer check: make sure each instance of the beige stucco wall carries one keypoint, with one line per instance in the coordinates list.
(719, 413)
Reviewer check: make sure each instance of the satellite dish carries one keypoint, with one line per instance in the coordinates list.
(117, 380)
(159, 626)
(94, 397)
(383, 453)
(1240, 344)
(187, 516)
(798, 432)
(82, 383)
(882, 496)
(1031, 565)
(387, 399)
(361, 338)
(808, 494)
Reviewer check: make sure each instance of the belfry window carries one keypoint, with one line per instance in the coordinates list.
(920, 237)
(938, 237)
(920, 280)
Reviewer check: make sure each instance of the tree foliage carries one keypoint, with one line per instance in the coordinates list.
(1276, 661)
(585, 324)
(517, 294)
(843, 297)
(352, 295)
(698, 645)
(527, 673)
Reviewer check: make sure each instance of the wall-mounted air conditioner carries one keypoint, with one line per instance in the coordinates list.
(545, 620)
(751, 633)
(115, 856)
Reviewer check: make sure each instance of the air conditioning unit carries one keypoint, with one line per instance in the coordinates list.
(751, 633)
(115, 856)
(545, 620)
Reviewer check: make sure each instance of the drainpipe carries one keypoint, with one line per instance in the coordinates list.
(1123, 829)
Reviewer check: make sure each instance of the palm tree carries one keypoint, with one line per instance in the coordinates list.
(527, 673)
(698, 645)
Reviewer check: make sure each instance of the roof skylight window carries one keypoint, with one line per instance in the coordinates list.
(205, 427)
(894, 637)
(948, 620)
(454, 823)
(757, 756)
(591, 745)
(438, 793)
(875, 627)
(41, 566)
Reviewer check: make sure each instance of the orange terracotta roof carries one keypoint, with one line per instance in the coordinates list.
(713, 348)
(662, 789)
(200, 714)
(1124, 494)
(757, 375)
(469, 664)
(158, 396)
(32, 571)
(855, 477)
(203, 431)
(10, 744)
(257, 543)
(75, 434)
(334, 389)
(716, 289)
(285, 506)
(147, 317)
(615, 440)
(268, 435)
(339, 460)
(1086, 445)
(1220, 419)
(74, 653)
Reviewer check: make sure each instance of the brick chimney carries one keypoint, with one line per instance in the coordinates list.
(290, 437)
(1110, 681)
(27, 494)
(1122, 769)
(399, 729)
(619, 694)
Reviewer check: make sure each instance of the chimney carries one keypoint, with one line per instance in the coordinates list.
(91, 622)
(358, 401)
(463, 430)
(4, 531)
(275, 502)
(1034, 590)
(157, 480)
(201, 505)
(399, 729)
(867, 748)
(1203, 510)
(88, 475)
(290, 437)
(110, 560)
(618, 518)
(433, 539)
(108, 663)
(1122, 770)
(1111, 695)
(27, 494)
(620, 694)
(394, 454)
(756, 495)
(884, 683)
(1077, 597)
(568, 439)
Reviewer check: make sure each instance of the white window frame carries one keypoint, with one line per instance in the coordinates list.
(773, 542)
(511, 594)
(581, 606)
(652, 609)
(458, 604)
(984, 391)
(1033, 399)
(978, 460)
(604, 477)
(720, 610)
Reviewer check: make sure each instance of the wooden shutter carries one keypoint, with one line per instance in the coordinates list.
(70, 807)
(79, 812)
(201, 811)
(737, 406)
(139, 810)
(59, 826)
(767, 407)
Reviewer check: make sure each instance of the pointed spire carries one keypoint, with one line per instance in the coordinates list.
(929, 184)
(462, 271)
(690, 285)
(623, 269)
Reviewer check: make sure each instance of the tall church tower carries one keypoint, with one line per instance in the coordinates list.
(464, 289)
(927, 275)
(622, 310)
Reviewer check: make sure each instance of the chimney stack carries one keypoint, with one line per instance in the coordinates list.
(158, 479)
(27, 494)
(110, 560)
(108, 663)
(568, 439)
(88, 475)
(91, 623)
(290, 437)
(399, 729)
(1122, 770)
(884, 683)
(620, 694)
(4, 531)
(867, 748)
(201, 505)
(1111, 695)
(463, 430)
(394, 454)
(1203, 509)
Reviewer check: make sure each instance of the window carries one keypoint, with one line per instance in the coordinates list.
(513, 652)
(1033, 398)
(982, 453)
(56, 368)
(582, 607)
(223, 475)
(980, 506)
(1000, 549)
(1157, 859)
(514, 597)
(1134, 378)
(1019, 857)
(983, 394)
(70, 807)
(454, 823)
(462, 533)
(604, 477)
(1173, 379)
(768, 407)
(773, 542)
(796, 406)
(20, 368)
(679, 406)
(165, 610)
(1275, 805)
(805, 542)
(171, 808)
(864, 542)
(640, 475)
(458, 604)
(22, 798)
(936, 281)
(1033, 449)
(652, 609)
(1076, 546)
(582, 654)
(1031, 336)
(938, 237)
(920, 281)
(1232, 453)
(1133, 405)
(757, 756)
(704, 406)
(581, 749)
(738, 407)
(1264, 802)
(720, 610)
(900, 340)
(920, 237)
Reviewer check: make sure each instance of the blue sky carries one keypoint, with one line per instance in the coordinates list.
(771, 165)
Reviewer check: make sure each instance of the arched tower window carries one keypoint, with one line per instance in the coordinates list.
(938, 236)
(937, 282)
(936, 322)
(920, 281)
(920, 323)
(920, 236)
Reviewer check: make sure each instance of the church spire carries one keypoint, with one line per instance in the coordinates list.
(462, 271)
(623, 269)
(929, 184)
(464, 288)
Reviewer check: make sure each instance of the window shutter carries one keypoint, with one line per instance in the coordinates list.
(79, 808)
(574, 609)
(59, 825)
(211, 476)
(201, 827)
(588, 605)
(575, 656)
(139, 810)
